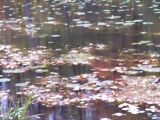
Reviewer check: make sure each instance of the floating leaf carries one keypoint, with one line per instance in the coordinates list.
(21, 84)
(105, 119)
(147, 68)
(118, 114)
(41, 71)
(5, 79)
(38, 67)
(14, 71)
(142, 42)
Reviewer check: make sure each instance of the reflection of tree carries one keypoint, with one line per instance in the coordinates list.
(67, 21)
(4, 12)
(28, 15)
(85, 114)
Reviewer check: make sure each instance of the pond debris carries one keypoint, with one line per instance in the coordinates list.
(105, 119)
(57, 91)
(21, 84)
(75, 57)
(9, 71)
(118, 114)
(5, 80)
(130, 108)
(152, 109)
(65, 91)
(147, 68)
(41, 70)
(84, 89)
(16, 61)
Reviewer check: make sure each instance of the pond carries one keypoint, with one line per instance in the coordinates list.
(81, 59)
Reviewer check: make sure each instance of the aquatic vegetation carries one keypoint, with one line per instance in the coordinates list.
(16, 113)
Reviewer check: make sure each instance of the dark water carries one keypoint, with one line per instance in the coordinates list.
(63, 25)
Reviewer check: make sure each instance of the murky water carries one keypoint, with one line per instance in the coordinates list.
(112, 40)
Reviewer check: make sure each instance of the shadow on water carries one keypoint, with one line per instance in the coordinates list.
(72, 70)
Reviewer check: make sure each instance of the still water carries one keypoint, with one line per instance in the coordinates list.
(105, 40)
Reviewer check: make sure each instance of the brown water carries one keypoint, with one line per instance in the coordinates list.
(124, 30)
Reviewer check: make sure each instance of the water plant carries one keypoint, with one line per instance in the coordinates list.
(18, 112)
